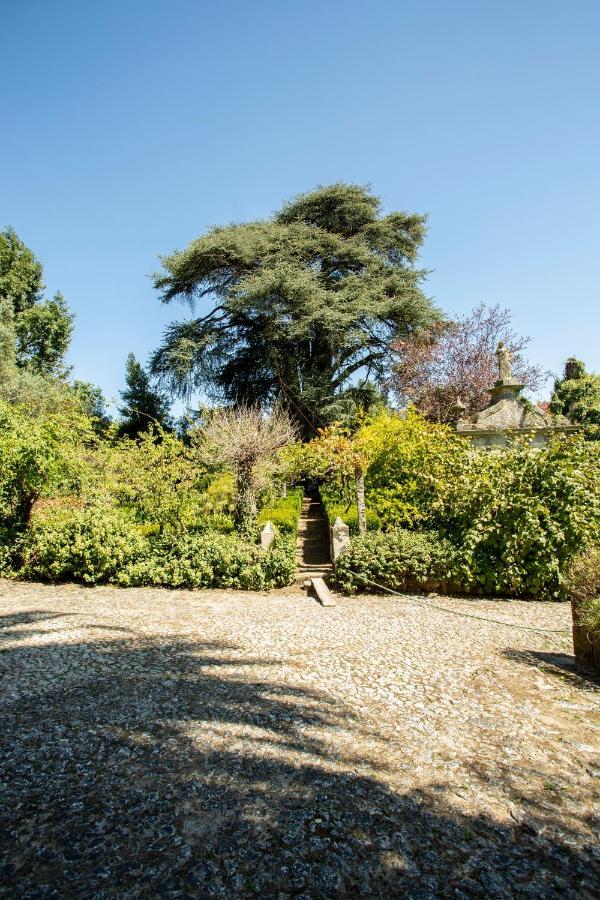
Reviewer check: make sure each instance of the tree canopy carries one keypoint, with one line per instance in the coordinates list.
(299, 307)
(143, 406)
(41, 328)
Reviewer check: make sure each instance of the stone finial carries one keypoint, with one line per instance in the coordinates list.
(458, 410)
(267, 536)
(504, 358)
(340, 538)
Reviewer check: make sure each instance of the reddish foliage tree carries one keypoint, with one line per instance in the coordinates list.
(457, 359)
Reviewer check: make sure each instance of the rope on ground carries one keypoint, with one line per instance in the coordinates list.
(456, 612)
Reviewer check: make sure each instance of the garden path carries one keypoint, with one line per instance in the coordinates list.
(313, 554)
(166, 743)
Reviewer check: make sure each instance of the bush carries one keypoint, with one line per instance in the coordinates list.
(90, 545)
(284, 512)
(515, 517)
(518, 516)
(397, 559)
(410, 461)
(583, 584)
(39, 457)
(100, 545)
(210, 560)
(7, 545)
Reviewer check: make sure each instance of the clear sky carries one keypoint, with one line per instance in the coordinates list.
(130, 126)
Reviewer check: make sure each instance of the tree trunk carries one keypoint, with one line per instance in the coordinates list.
(359, 477)
(245, 502)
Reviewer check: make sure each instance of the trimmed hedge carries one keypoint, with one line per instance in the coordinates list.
(397, 559)
(284, 512)
(99, 546)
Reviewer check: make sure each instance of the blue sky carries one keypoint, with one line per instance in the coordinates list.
(129, 127)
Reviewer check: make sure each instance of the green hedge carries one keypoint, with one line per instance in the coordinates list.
(583, 584)
(397, 559)
(284, 512)
(515, 517)
(210, 561)
(99, 546)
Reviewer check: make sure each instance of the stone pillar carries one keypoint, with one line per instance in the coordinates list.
(340, 538)
(267, 536)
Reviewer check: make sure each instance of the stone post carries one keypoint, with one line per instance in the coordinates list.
(340, 538)
(267, 536)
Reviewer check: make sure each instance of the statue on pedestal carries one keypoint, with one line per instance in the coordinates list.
(504, 357)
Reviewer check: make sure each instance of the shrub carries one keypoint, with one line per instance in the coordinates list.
(155, 479)
(518, 516)
(410, 460)
(210, 560)
(284, 512)
(396, 559)
(583, 584)
(39, 457)
(90, 545)
(100, 545)
(515, 517)
(7, 545)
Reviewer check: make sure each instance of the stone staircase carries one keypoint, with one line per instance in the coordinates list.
(312, 552)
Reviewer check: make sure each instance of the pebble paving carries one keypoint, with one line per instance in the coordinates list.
(228, 744)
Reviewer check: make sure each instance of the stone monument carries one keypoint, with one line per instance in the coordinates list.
(340, 538)
(508, 413)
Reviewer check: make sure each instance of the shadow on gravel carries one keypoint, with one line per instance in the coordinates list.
(12, 620)
(561, 664)
(107, 794)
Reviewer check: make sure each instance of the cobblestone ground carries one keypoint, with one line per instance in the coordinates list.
(178, 744)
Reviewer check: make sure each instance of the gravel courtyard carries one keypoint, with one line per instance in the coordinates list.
(197, 744)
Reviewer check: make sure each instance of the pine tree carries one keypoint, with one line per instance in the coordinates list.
(143, 406)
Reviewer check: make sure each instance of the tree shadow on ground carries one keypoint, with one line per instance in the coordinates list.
(145, 767)
(563, 665)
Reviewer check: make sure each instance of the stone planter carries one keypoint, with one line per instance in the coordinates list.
(585, 643)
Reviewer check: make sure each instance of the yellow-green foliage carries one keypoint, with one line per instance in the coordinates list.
(284, 512)
(40, 456)
(338, 503)
(516, 516)
(408, 461)
(155, 478)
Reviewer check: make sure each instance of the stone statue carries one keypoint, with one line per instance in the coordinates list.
(504, 362)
